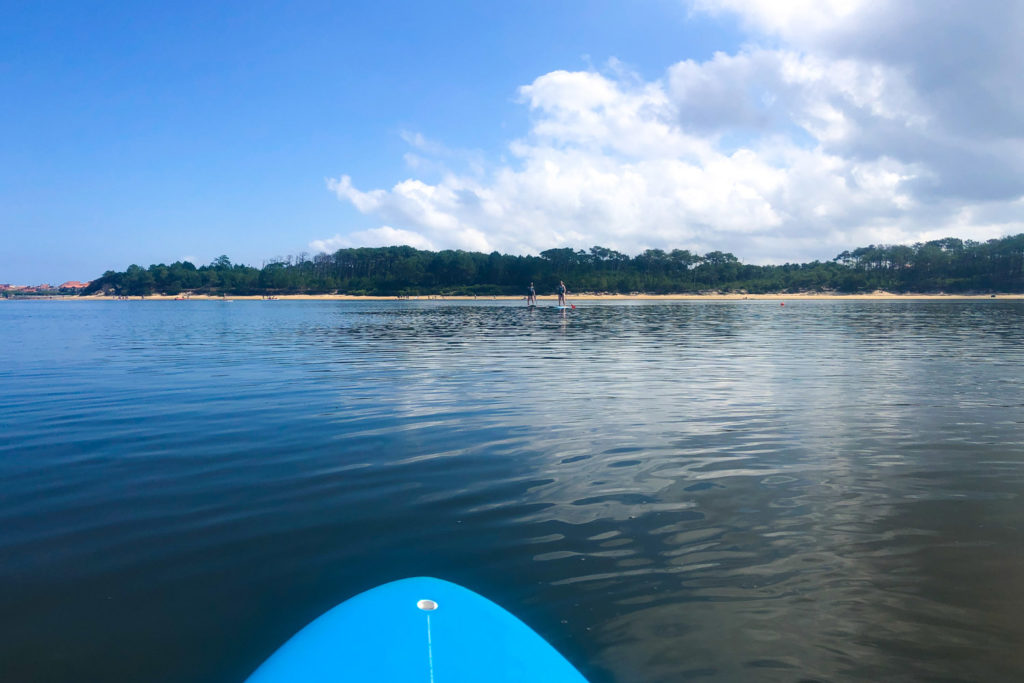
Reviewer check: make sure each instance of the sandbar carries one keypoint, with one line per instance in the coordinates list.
(585, 296)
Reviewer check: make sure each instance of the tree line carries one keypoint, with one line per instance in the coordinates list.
(946, 265)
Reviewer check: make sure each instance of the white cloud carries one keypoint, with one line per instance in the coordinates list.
(384, 236)
(831, 134)
(937, 83)
(790, 19)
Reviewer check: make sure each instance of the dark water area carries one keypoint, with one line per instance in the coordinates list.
(722, 491)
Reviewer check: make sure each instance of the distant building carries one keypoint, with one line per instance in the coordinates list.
(73, 285)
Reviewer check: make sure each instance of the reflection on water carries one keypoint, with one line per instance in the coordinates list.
(667, 491)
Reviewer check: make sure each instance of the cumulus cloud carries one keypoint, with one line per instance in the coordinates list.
(831, 128)
(792, 19)
(934, 83)
(384, 236)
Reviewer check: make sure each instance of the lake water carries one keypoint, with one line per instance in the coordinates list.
(720, 491)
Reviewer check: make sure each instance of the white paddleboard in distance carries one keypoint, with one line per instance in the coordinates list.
(413, 630)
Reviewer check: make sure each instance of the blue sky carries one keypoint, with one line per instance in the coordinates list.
(152, 132)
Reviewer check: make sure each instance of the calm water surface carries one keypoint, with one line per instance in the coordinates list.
(732, 491)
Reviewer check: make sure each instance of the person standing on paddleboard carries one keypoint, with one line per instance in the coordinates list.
(531, 296)
(562, 291)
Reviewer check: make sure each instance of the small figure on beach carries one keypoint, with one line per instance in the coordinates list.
(562, 291)
(531, 296)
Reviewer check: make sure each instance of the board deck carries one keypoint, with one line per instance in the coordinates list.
(419, 629)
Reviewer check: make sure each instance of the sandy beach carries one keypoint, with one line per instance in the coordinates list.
(586, 296)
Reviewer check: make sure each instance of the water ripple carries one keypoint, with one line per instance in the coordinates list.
(667, 491)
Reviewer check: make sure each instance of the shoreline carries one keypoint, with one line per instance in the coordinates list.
(807, 296)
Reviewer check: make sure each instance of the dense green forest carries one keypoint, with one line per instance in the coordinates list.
(948, 265)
